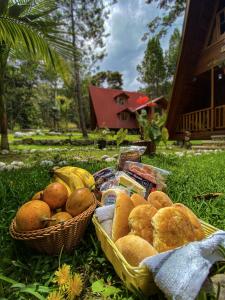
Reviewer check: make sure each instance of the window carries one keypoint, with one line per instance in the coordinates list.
(124, 115)
(121, 100)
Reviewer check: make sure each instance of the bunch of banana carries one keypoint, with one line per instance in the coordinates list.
(75, 177)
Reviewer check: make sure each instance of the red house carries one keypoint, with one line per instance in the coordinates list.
(116, 109)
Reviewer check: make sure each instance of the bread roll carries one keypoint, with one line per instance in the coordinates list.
(137, 199)
(123, 208)
(140, 221)
(171, 229)
(159, 200)
(198, 230)
(134, 249)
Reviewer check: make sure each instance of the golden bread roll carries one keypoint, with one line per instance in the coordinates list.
(159, 199)
(134, 249)
(171, 229)
(198, 230)
(140, 221)
(137, 199)
(123, 208)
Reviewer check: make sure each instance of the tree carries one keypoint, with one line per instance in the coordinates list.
(152, 69)
(112, 79)
(26, 24)
(171, 55)
(173, 9)
(86, 24)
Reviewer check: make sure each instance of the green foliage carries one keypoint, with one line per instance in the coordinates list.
(114, 80)
(103, 133)
(171, 56)
(165, 135)
(103, 289)
(152, 128)
(160, 25)
(18, 289)
(121, 136)
(27, 25)
(152, 70)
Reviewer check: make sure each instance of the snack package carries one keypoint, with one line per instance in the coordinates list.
(109, 196)
(130, 184)
(131, 153)
(151, 178)
(105, 176)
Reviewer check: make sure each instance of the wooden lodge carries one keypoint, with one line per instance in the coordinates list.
(198, 97)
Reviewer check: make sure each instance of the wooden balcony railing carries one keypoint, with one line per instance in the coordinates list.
(199, 120)
(220, 117)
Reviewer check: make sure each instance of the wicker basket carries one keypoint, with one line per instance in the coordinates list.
(54, 239)
(136, 279)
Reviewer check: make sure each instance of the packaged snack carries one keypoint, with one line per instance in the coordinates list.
(104, 176)
(109, 196)
(129, 183)
(149, 177)
(132, 153)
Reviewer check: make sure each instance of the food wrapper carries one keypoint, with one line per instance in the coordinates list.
(130, 184)
(132, 153)
(151, 178)
(105, 178)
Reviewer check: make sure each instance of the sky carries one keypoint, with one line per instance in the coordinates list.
(125, 49)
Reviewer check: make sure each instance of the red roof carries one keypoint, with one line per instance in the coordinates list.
(106, 109)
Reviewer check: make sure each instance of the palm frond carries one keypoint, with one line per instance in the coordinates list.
(14, 32)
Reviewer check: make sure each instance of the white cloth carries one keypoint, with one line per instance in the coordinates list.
(105, 217)
(180, 273)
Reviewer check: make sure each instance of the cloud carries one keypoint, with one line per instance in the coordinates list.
(126, 25)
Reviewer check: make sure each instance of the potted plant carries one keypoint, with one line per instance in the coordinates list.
(152, 130)
(121, 136)
(102, 138)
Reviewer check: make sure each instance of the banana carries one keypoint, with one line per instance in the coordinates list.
(75, 182)
(87, 179)
(66, 169)
(72, 180)
(58, 179)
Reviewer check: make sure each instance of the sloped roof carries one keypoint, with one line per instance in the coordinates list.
(106, 108)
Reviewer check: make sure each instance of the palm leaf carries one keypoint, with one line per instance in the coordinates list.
(16, 34)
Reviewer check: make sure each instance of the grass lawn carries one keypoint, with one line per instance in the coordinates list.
(190, 176)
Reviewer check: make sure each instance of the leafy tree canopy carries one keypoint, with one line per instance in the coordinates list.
(113, 80)
(173, 9)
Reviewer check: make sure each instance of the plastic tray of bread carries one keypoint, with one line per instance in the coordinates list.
(131, 237)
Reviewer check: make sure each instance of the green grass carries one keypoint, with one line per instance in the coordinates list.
(74, 136)
(190, 177)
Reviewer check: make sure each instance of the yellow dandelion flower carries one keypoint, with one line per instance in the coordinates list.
(74, 286)
(62, 275)
(55, 296)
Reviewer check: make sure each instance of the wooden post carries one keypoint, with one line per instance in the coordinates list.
(212, 98)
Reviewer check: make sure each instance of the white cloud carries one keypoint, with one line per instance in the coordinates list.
(126, 25)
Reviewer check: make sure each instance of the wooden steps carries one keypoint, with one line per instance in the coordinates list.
(217, 142)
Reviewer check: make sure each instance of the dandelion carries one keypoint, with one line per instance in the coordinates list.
(55, 296)
(62, 275)
(74, 286)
